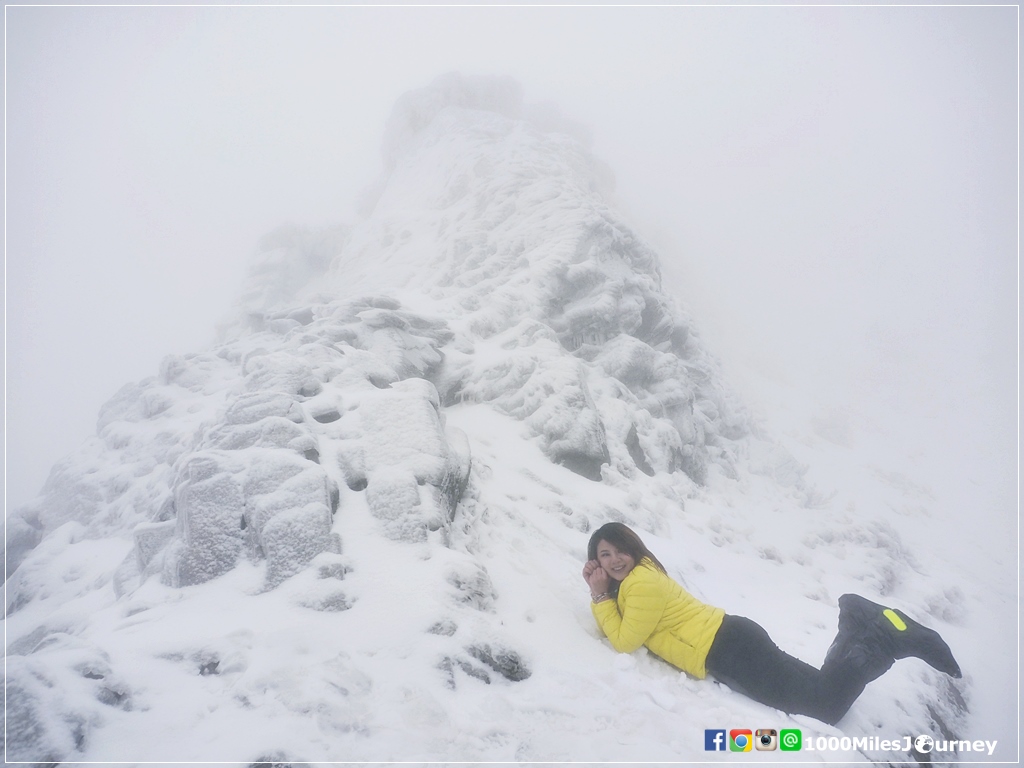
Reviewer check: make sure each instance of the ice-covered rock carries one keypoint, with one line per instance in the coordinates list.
(58, 690)
(414, 476)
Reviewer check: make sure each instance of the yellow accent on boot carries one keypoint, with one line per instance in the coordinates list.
(897, 622)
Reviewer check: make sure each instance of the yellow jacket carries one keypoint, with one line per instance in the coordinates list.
(653, 610)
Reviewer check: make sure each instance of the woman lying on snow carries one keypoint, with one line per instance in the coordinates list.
(636, 603)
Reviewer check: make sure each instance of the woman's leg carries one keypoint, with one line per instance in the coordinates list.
(744, 657)
(871, 637)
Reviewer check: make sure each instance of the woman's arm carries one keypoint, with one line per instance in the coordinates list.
(642, 604)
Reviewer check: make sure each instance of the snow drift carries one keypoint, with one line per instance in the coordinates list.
(353, 529)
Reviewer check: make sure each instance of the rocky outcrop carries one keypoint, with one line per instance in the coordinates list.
(386, 468)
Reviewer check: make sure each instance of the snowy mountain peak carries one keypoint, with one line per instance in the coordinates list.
(416, 110)
(353, 529)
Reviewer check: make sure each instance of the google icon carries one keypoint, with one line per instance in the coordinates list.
(740, 740)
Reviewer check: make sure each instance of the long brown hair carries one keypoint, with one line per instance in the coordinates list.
(624, 539)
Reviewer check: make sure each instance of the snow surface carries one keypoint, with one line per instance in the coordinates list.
(353, 530)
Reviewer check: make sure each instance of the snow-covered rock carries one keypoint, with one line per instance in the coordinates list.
(353, 528)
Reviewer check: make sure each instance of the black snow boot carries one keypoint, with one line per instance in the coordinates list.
(875, 636)
(857, 651)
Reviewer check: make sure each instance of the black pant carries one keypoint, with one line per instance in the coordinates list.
(744, 657)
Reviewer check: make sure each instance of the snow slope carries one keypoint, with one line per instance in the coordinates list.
(353, 530)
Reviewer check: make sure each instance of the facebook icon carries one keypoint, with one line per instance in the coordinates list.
(714, 741)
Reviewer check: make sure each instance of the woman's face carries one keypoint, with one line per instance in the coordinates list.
(615, 562)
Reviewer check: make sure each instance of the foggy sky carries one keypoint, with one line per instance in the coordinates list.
(833, 191)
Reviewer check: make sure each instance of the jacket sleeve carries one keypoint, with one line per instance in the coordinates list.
(630, 622)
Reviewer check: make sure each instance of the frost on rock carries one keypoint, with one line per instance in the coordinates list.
(24, 532)
(292, 538)
(58, 690)
(36, 730)
(209, 502)
(258, 494)
(552, 289)
(414, 475)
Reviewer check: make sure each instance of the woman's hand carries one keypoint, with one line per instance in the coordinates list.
(596, 577)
